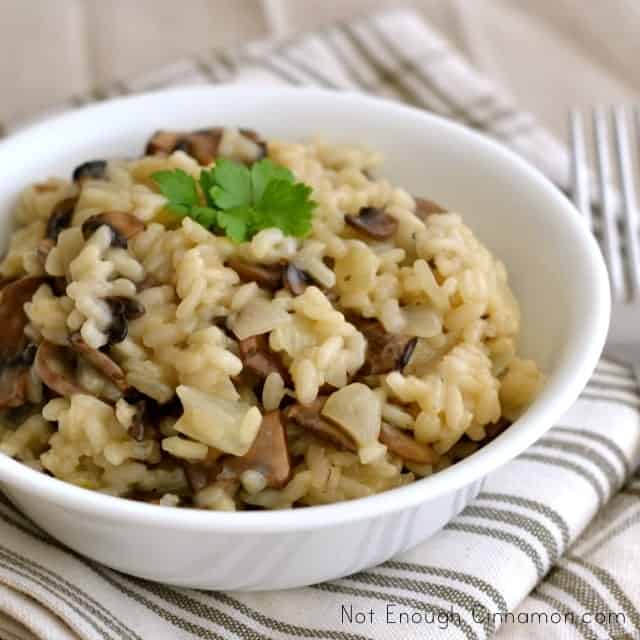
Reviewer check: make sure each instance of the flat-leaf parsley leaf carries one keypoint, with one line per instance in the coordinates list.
(239, 201)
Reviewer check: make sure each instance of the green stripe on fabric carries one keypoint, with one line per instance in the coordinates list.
(614, 478)
(346, 63)
(612, 585)
(606, 385)
(314, 74)
(465, 578)
(15, 568)
(602, 397)
(63, 587)
(533, 505)
(82, 597)
(181, 623)
(180, 598)
(457, 621)
(606, 442)
(503, 536)
(563, 609)
(278, 625)
(617, 530)
(582, 592)
(568, 466)
(382, 73)
(429, 82)
(443, 592)
(265, 620)
(533, 527)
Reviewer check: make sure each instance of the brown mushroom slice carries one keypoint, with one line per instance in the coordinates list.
(268, 455)
(404, 446)
(198, 475)
(373, 222)
(385, 351)
(16, 355)
(296, 280)
(310, 418)
(92, 169)
(60, 218)
(123, 225)
(202, 144)
(258, 359)
(54, 365)
(267, 276)
(14, 383)
(494, 429)
(426, 208)
(101, 361)
(122, 310)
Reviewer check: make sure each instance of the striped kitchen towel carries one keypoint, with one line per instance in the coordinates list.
(549, 549)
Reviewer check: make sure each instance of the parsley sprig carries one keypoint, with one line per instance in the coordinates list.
(240, 201)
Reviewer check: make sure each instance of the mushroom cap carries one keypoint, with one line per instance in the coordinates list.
(404, 446)
(426, 208)
(373, 222)
(309, 417)
(55, 367)
(123, 224)
(268, 455)
(15, 352)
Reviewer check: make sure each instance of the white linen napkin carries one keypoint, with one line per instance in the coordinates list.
(549, 549)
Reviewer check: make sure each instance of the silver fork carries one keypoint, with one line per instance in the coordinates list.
(617, 225)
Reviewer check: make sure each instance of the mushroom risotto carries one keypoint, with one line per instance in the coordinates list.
(229, 323)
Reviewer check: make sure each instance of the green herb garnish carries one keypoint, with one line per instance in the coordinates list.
(239, 201)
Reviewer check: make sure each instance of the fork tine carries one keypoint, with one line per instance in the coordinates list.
(629, 202)
(610, 235)
(579, 167)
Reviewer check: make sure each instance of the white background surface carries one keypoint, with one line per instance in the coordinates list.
(552, 54)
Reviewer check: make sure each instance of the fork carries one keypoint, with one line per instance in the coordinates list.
(617, 225)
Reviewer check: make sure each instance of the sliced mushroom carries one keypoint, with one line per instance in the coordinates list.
(122, 310)
(373, 222)
(101, 361)
(143, 423)
(494, 429)
(405, 446)
(426, 208)
(16, 354)
(385, 351)
(123, 226)
(199, 475)
(267, 276)
(268, 454)
(258, 359)
(96, 169)
(60, 218)
(203, 145)
(310, 418)
(296, 280)
(13, 319)
(55, 366)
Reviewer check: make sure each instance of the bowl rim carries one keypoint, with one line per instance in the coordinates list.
(570, 377)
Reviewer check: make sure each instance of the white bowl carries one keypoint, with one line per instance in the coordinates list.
(555, 268)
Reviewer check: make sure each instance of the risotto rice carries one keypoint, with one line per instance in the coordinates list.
(145, 356)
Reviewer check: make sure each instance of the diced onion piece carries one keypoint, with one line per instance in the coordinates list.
(356, 409)
(258, 317)
(230, 426)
